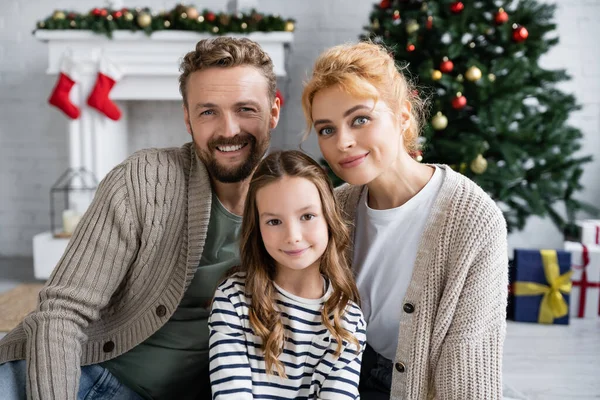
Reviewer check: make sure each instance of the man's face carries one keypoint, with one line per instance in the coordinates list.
(230, 117)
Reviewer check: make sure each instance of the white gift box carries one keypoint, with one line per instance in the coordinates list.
(590, 231)
(585, 294)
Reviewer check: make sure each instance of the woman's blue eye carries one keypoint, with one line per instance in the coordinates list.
(326, 131)
(360, 121)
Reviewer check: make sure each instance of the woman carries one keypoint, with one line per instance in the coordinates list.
(429, 246)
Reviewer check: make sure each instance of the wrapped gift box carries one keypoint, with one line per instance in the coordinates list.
(585, 294)
(588, 232)
(541, 286)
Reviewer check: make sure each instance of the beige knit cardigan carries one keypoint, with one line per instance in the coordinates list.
(123, 273)
(450, 346)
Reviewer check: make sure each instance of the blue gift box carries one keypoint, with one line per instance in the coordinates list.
(529, 267)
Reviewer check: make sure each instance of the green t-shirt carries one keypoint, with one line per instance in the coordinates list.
(173, 362)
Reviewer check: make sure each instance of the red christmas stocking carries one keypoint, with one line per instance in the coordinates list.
(66, 80)
(108, 75)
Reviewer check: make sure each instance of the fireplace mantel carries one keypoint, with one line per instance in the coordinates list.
(151, 69)
(150, 63)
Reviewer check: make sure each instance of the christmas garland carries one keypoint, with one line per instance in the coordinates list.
(182, 18)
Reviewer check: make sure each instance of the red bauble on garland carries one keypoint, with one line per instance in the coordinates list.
(501, 17)
(519, 33)
(210, 17)
(457, 7)
(96, 12)
(385, 4)
(446, 66)
(117, 14)
(459, 102)
(410, 48)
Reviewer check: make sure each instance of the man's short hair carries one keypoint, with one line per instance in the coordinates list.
(226, 52)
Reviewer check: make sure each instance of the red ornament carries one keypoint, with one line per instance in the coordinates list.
(71, 15)
(410, 47)
(117, 14)
(457, 7)
(210, 17)
(429, 23)
(280, 97)
(103, 12)
(519, 33)
(501, 17)
(96, 12)
(446, 66)
(396, 15)
(385, 4)
(459, 102)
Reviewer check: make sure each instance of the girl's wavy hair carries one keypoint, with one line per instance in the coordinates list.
(366, 70)
(259, 266)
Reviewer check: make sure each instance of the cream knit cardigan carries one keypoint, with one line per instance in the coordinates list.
(451, 345)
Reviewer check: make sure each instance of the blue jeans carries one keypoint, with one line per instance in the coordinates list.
(96, 383)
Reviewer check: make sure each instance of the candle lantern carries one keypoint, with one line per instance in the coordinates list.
(70, 196)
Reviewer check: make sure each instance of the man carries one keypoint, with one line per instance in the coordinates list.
(125, 312)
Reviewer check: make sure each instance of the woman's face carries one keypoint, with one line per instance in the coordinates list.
(359, 138)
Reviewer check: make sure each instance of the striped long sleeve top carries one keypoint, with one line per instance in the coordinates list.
(237, 366)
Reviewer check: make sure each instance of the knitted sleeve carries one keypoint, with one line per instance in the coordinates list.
(470, 362)
(93, 265)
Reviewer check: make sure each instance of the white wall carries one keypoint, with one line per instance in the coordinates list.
(33, 137)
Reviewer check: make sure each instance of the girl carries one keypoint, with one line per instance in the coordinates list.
(288, 325)
(429, 246)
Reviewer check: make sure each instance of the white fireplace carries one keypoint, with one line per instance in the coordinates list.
(150, 66)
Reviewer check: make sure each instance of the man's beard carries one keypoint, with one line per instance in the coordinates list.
(228, 174)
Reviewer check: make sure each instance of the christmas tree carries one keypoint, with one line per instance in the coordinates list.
(496, 114)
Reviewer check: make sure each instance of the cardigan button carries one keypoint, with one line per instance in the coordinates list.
(161, 311)
(400, 367)
(108, 346)
(408, 308)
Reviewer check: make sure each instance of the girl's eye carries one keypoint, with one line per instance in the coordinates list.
(308, 217)
(360, 121)
(273, 222)
(325, 131)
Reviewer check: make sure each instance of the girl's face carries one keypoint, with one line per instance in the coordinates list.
(292, 224)
(360, 139)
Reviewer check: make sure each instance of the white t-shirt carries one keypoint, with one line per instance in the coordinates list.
(386, 244)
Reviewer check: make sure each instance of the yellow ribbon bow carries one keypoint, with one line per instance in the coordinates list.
(553, 303)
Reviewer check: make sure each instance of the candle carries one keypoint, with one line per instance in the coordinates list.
(70, 220)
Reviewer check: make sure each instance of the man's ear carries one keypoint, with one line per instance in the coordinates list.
(275, 112)
(186, 118)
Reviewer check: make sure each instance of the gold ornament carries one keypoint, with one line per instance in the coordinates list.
(290, 26)
(192, 13)
(459, 78)
(183, 16)
(424, 7)
(109, 17)
(41, 24)
(244, 25)
(128, 16)
(57, 15)
(473, 74)
(144, 20)
(224, 19)
(375, 25)
(73, 24)
(412, 26)
(439, 121)
(479, 165)
(167, 24)
(436, 75)
(215, 29)
(491, 77)
(200, 18)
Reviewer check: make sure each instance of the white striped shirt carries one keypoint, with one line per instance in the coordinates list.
(237, 366)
